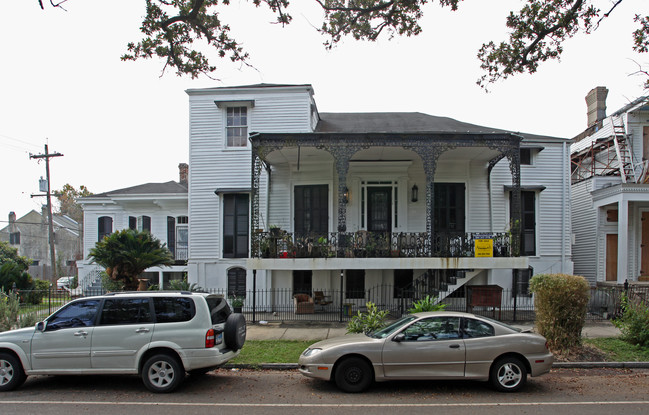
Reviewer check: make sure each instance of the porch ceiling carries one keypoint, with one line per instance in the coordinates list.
(307, 155)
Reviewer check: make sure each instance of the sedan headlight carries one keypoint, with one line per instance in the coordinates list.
(311, 352)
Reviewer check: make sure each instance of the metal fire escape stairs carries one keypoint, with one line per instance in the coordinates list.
(441, 286)
(623, 151)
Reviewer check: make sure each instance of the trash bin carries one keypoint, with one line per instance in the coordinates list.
(347, 309)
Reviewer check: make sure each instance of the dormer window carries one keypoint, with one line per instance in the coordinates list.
(237, 127)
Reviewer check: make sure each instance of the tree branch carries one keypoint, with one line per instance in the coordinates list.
(605, 15)
(564, 22)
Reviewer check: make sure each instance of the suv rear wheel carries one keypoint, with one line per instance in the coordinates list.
(162, 373)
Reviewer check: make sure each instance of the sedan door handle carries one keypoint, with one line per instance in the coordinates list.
(454, 346)
(81, 333)
(142, 330)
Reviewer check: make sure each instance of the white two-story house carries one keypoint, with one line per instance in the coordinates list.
(160, 208)
(610, 192)
(282, 196)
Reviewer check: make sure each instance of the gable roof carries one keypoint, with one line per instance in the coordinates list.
(36, 218)
(403, 122)
(170, 187)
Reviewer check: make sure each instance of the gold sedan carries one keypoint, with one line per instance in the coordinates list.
(435, 345)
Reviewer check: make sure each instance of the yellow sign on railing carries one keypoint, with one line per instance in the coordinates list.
(484, 248)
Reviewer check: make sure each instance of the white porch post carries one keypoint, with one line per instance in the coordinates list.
(622, 240)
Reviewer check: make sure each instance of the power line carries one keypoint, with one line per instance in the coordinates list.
(19, 141)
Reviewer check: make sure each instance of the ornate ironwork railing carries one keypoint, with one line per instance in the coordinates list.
(363, 244)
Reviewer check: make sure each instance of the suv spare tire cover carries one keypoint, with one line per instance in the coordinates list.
(235, 331)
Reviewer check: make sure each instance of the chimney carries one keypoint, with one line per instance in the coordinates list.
(596, 104)
(12, 222)
(183, 169)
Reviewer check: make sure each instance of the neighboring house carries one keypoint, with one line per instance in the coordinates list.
(160, 208)
(284, 197)
(610, 192)
(30, 235)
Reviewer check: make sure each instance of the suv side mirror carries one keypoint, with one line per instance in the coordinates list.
(40, 326)
(399, 338)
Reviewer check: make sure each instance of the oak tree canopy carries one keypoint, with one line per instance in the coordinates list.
(537, 31)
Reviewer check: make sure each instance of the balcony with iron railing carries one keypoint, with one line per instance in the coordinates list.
(364, 244)
(181, 253)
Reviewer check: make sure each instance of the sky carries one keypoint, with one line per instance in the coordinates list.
(121, 124)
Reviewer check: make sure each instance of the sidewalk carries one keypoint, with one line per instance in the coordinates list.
(308, 331)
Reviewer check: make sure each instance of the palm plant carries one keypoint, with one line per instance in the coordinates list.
(127, 253)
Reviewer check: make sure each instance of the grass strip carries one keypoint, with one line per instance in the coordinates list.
(617, 350)
(256, 352)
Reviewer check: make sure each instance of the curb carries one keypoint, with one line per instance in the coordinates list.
(263, 366)
(600, 365)
(556, 365)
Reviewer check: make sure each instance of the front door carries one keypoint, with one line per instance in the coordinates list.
(644, 250)
(379, 209)
(611, 257)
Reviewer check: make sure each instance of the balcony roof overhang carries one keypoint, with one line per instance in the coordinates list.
(288, 264)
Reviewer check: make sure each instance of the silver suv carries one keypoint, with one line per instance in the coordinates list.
(157, 335)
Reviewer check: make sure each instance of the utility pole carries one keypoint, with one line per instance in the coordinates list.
(50, 220)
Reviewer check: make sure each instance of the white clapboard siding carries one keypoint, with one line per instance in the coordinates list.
(213, 166)
(552, 204)
(584, 226)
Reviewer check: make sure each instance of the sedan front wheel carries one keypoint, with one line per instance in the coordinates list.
(508, 374)
(353, 375)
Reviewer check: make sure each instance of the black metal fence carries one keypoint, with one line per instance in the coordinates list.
(281, 305)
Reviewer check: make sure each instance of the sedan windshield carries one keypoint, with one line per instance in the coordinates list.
(386, 331)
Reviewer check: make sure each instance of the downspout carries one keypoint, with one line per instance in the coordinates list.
(563, 203)
(491, 213)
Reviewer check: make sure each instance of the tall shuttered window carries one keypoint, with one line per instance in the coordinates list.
(235, 225)
(311, 209)
(528, 223)
(104, 226)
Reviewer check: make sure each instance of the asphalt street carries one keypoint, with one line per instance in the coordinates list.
(234, 392)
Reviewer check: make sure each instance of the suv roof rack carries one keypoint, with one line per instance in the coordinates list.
(150, 292)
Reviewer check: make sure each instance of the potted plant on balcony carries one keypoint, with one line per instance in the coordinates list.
(237, 303)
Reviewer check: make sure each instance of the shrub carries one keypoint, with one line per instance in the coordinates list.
(12, 273)
(9, 310)
(634, 323)
(372, 319)
(36, 295)
(427, 303)
(561, 302)
(184, 285)
(110, 285)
